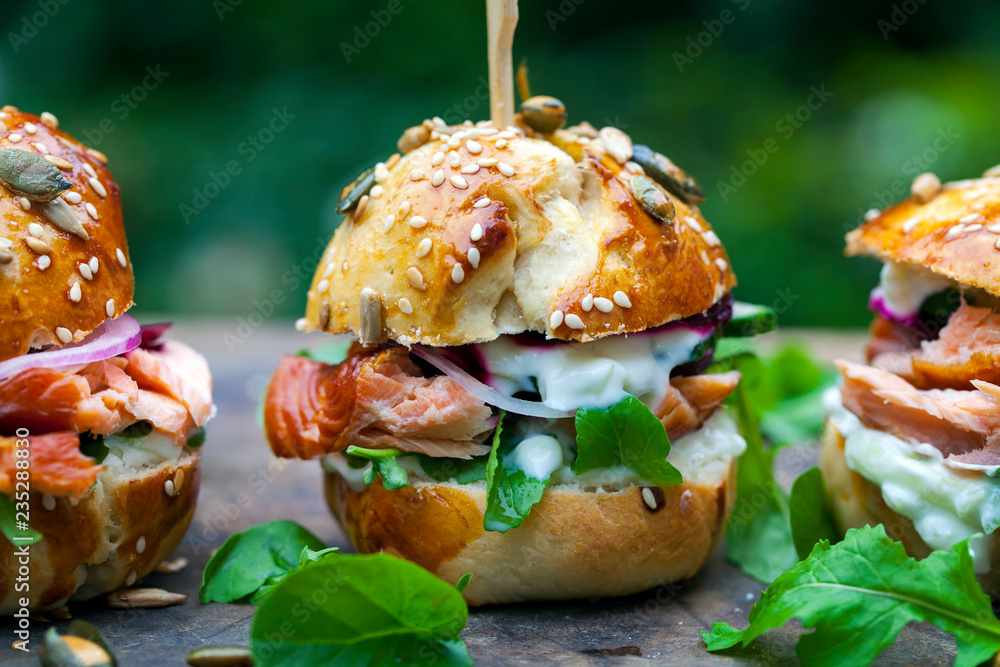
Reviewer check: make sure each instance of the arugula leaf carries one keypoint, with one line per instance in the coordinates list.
(510, 493)
(861, 592)
(384, 465)
(463, 582)
(247, 560)
(463, 471)
(811, 519)
(330, 353)
(8, 524)
(627, 433)
(365, 610)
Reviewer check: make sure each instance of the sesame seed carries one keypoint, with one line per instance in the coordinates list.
(459, 182)
(109, 307)
(300, 324)
(168, 488)
(424, 247)
(954, 231)
(455, 141)
(64, 334)
(721, 263)
(453, 159)
(360, 209)
(473, 147)
(437, 159)
(97, 155)
(501, 143)
(997, 244)
(381, 173)
(711, 238)
(25, 203)
(121, 257)
(573, 321)
(476, 233)
(910, 225)
(87, 167)
(648, 497)
(405, 306)
(140, 545)
(30, 128)
(925, 186)
(555, 319)
(14, 137)
(98, 187)
(390, 220)
(43, 262)
(971, 218)
(41, 148)
(75, 293)
(693, 224)
(973, 228)
(416, 278)
(94, 264)
(470, 168)
(328, 271)
(418, 222)
(72, 197)
(131, 577)
(38, 246)
(487, 162)
(604, 305)
(376, 191)
(404, 209)
(621, 298)
(438, 178)
(507, 134)
(994, 228)
(86, 272)
(48, 501)
(458, 273)
(62, 163)
(50, 120)
(474, 257)
(505, 169)
(416, 175)
(482, 202)
(35, 230)
(323, 285)
(871, 214)
(587, 303)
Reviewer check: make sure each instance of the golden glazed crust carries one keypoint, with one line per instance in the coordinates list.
(574, 543)
(34, 292)
(115, 536)
(950, 234)
(561, 224)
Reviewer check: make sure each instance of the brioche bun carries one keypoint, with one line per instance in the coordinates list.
(115, 536)
(34, 292)
(949, 234)
(561, 225)
(576, 542)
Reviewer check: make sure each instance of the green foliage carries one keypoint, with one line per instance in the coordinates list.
(510, 493)
(383, 464)
(811, 519)
(8, 524)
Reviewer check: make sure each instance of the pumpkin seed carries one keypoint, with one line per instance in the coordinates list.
(72, 651)
(359, 187)
(31, 176)
(544, 114)
(59, 213)
(617, 144)
(220, 656)
(87, 631)
(143, 598)
(652, 199)
(662, 170)
(414, 137)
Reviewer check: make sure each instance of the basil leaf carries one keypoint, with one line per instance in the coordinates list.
(330, 353)
(247, 560)
(384, 465)
(364, 610)
(811, 519)
(197, 438)
(627, 433)
(16, 533)
(860, 593)
(510, 493)
(463, 471)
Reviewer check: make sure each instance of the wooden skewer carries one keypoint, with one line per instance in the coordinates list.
(501, 19)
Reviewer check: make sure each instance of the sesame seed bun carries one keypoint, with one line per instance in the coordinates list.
(115, 536)
(39, 305)
(576, 542)
(951, 230)
(504, 232)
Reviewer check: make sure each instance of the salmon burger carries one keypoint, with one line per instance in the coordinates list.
(913, 436)
(531, 315)
(100, 419)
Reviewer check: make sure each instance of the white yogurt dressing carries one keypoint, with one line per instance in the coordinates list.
(904, 287)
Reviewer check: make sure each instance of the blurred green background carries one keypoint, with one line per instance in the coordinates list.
(304, 94)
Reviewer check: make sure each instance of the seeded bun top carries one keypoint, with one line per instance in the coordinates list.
(64, 266)
(953, 230)
(474, 232)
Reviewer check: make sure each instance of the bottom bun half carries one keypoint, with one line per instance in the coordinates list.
(113, 537)
(575, 543)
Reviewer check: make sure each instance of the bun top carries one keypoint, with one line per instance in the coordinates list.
(64, 264)
(953, 230)
(473, 232)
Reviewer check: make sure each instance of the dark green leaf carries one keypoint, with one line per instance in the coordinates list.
(463, 471)
(247, 560)
(627, 433)
(197, 438)
(94, 447)
(360, 610)
(329, 353)
(860, 593)
(510, 493)
(383, 465)
(811, 518)
(463, 582)
(9, 526)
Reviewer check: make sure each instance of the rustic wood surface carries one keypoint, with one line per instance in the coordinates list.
(244, 485)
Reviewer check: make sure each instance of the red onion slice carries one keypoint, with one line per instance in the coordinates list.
(484, 392)
(112, 338)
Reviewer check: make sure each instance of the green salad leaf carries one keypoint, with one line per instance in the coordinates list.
(860, 593)
(360, 610)
(9, 524)
(811, 518)
(626, 433)
(463, 471)
(383, 465)
(247, 561)
(510, 493)
(329, 353)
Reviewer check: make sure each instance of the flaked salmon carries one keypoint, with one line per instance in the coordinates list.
(690, 401)
(967, 349)
(58, 467)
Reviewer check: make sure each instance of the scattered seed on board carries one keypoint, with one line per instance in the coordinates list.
(143, 598)
(220, 656)
(171, 566)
